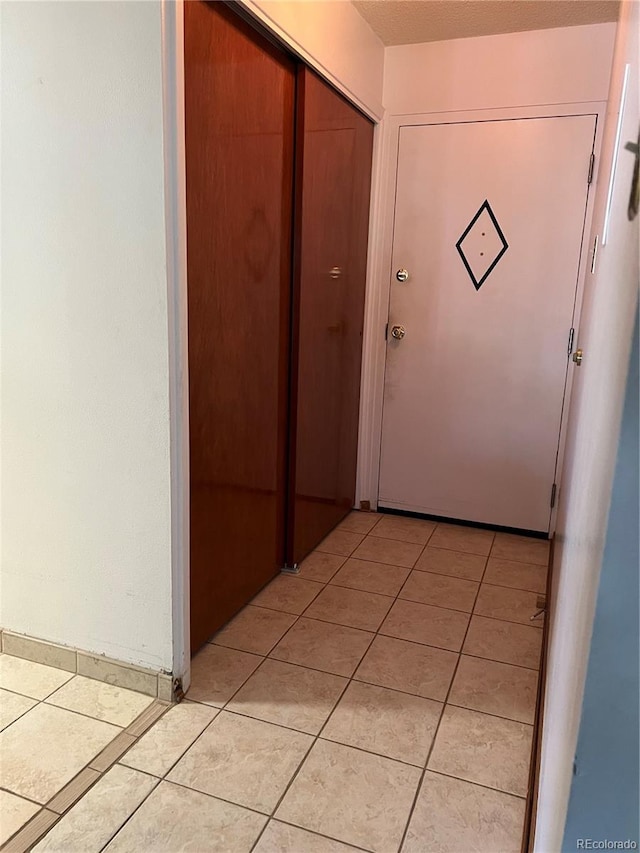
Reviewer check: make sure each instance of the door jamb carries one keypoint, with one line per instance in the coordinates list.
(172, 20)
(379, 271)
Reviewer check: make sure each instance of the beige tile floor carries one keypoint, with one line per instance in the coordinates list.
(53, 724)
(381, 700)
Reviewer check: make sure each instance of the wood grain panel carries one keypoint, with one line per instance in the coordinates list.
(239, 111)
(333, 178)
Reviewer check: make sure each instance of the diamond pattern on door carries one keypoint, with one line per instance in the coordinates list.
(482, 245)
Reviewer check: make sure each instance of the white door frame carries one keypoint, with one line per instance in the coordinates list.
(379, 273)
(175, 197)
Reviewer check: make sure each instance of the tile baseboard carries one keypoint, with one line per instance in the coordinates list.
(98, 667)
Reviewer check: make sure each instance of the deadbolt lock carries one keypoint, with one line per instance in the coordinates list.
(402, 275)
(398, 332)
(577, 357)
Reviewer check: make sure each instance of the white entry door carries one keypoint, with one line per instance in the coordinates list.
(489, 223)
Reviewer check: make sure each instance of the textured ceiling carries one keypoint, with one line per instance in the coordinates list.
(414, 21)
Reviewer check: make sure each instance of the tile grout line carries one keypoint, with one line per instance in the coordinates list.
(41, 807)
(505, 662)
(137, 808)
(89, 717)
(46, 700)
(101, 774)
(416, 642)
(396, 598)
(311, 832)
(446, 702)
(218, 711)
(93, 785)
(493, 557)
(331, 582)
(22, 797)
(318, 736)
(213, 642)
(442, 711)
(20, 716)
(351, 678)
(468, 580)
(479, 785)
(33, 698)
(362, 680)
(346, 687)
(490, 713)
(117, 763)
(22, 695)
(44, 806)
(163, 777)
(508, 621)
(265, 656)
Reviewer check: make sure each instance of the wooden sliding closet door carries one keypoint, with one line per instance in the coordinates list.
(239, 104)
(333, 174)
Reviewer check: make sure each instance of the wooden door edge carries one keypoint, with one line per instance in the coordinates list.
(529, 829)
(290, 556)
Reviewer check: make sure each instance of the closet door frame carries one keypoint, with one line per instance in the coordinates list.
(172, 57)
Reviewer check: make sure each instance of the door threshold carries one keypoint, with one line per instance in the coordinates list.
(518, 531)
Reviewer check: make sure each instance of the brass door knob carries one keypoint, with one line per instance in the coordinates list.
(402, 274)
(577, 357)
(398, 332)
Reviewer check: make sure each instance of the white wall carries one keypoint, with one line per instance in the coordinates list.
(86, 530)
(554, 66)
(545, 72)
(610, 300)
(333, 38)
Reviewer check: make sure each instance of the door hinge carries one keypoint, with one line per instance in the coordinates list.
(570, 344)
(554, 489)
(386, 332)
(592, 163)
